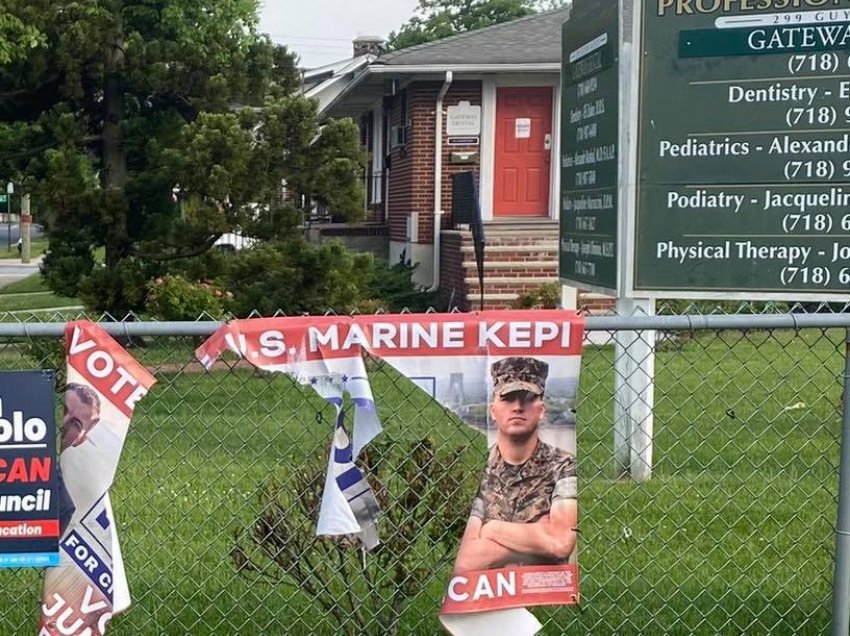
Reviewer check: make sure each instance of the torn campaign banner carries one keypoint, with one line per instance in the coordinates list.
(288, 345)
(104, 384)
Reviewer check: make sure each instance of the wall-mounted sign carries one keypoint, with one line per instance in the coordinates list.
(463, 119)
(523, 127)
(463, 156)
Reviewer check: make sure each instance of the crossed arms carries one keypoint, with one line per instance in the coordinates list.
(496, 543)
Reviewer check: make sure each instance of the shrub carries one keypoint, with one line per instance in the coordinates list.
(65, 267)
(210, 265)
(546, 296)
(121, 288)
(175, 298)
(392, 288)
(295, 277)
(424, 497)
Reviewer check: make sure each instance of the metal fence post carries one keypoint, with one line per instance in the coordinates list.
(841, 578)
(634, 377)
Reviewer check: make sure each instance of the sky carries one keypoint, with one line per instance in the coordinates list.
(321, 31)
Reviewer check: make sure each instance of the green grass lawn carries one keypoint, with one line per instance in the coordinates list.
(29, 285)
(30, 294)
(732, 535)
(36, 301)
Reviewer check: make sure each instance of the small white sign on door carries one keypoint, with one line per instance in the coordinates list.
(523, 127)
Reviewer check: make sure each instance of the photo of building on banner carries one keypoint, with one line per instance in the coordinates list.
(29, 525)
(104, 384)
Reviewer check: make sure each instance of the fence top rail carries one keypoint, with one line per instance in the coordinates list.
(592, 323)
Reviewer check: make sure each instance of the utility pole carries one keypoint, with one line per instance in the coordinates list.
(26, 224)
(10, 190)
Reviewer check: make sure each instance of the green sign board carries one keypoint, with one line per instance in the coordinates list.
(744, 149)
(589, 145)
(3, 198)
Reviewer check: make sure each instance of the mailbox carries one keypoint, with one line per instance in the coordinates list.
(463, 156)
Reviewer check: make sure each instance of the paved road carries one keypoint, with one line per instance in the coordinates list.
(14, 231)
(12, 269)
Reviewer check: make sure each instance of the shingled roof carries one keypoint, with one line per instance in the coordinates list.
(532, 40)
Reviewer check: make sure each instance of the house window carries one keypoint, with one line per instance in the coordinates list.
(399, 130)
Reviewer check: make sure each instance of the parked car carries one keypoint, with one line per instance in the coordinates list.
(233, 241)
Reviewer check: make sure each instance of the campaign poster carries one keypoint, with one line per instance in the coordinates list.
(513, 377)
(104, 384)
(29, 513)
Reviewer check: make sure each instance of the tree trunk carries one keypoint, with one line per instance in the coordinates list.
(114, 158)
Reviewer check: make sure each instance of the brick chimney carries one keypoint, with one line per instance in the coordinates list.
(368, 44)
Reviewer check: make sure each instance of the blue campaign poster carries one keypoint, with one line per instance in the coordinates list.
(29, 497)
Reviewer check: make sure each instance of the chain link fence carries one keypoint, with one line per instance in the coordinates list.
(220, 477)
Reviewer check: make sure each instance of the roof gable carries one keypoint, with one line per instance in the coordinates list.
(532, 40)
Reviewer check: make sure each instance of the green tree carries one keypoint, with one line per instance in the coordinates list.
(16, 36)
(148, 128)
(295, 277)
(437, 19)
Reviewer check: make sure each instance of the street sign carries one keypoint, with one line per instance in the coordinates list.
(743, 185)
(3, 198)
(589, 146)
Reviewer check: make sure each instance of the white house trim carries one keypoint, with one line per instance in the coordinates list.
(487, 158)
(377, 152)
(331, 89)
(555, 155)
(400, 69)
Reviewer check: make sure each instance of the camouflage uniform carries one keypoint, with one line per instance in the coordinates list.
(519, 374)
(524, 493)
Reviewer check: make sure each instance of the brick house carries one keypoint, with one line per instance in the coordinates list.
(487, 102)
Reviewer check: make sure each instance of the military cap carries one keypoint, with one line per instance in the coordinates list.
(519, 374)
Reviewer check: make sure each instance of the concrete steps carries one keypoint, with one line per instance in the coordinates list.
(519, 257)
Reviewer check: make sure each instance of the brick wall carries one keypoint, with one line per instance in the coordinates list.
(518, 261)
(412, 167)
(453, 288)
(400, 173)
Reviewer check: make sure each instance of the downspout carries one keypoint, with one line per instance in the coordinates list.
(438, 180)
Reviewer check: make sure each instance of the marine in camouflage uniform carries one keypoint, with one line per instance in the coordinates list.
(523, 493)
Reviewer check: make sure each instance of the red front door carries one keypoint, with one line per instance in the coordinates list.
(523, 142)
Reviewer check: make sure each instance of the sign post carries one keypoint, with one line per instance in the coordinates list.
(10, 190)
(26, 226)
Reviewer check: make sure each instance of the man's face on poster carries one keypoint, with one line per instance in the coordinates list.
(78, 419)
(517, 414)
